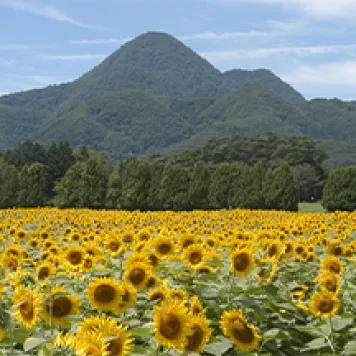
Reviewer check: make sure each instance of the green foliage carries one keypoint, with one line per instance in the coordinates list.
(32, 185)
(135, 185)
(94, 181)
(199, 186)
(68, 189)
(175, 187)
(246, 191)
(8, 185)
(114, 190)
(340, 192)
(221, 184)
(279, 189)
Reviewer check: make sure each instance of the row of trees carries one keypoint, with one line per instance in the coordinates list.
(31, 176)
(150, 185)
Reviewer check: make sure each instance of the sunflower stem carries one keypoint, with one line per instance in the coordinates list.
(331, 336)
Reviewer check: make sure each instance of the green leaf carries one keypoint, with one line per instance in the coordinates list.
(316, 344)
(32, 342)
(340, 323)
(350, 348)
(142, 332)
(219, 348)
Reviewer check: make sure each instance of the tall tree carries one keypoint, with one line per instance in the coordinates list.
(279, 189)
(199, 186)
(340, 190)
(135, 185)
(220, 189)
(69, 188)
(114, 190)
(8, 185)
(95, 177)
(174, 187)
(32, 185)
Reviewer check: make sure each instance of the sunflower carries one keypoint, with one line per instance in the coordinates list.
(201, 334)
(44, 270)
(242, 262)
(153, 259)
(66, 342)
(173, 324)
(28, 306)
(324, 305)
(34, 244)
(91, 345)
(196, 308)
(298, 292)
(60, 305)
(10, 262)
(274, 249)
(178, 294)
(2, 334)
(119, 341)
(330, 283)
(73, 257)
(158, 294)
(138, 274)
(194, 256)
(88, 325)
(104, 294)
(332, 264)
(152, 281)
(113, 245)
(128, 298)
(235, 326)
(163, 246)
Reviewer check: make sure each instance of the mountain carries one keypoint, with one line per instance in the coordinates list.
(155, 94)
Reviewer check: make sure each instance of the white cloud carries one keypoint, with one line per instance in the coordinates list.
(335, 73)
(101, 41)
(223, 56)
(314, 8)
(18, 47)
(74, 57)
(5, 63)
(49, 12)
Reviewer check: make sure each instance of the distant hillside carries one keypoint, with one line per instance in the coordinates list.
(155, 94)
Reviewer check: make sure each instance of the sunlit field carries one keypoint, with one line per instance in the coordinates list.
(229, 282)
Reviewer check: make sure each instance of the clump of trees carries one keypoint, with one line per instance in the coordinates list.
(251, 173)
(340, 190)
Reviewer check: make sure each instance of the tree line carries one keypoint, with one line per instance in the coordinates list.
(212, 177)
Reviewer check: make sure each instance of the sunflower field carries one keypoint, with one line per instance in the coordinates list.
(228, 282)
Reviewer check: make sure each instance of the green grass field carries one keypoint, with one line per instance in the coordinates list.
(311, 208)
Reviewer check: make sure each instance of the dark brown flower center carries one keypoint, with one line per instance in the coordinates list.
(195, 340)
(104, 293)
(241, 261)
(170, 326)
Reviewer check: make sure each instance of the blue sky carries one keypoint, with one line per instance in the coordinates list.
(308, 43)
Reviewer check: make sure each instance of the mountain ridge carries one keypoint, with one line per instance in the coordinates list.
(156, 94)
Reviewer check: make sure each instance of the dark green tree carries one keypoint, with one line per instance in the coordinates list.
(95, 177)
(220, 189)
(154, 195)
(279, 189)
(308, 182)
(32, 185)
(8, 185)
(246, 190)
(340, 190)
(69, 188)
(60, 158)
(135, 185)
(114, 190)
(199, 186)
(174, 187)
(26, 152)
